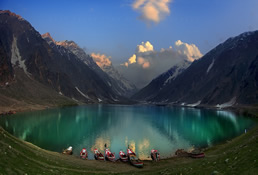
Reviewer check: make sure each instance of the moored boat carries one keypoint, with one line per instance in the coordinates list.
(197, 155)
(109, 155)
(98, 155)
(68, 151)
(84, 154)
(133, 159)
(123, 157)
(155, 155)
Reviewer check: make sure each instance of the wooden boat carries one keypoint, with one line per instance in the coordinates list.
(98, 155)
(68, 151)
(181, 153)
(197, 155)
(133, 159)
(123, 157)
(109, 155)
(83, 154)
(155, 155)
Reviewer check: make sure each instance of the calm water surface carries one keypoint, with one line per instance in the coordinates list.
(141, 127)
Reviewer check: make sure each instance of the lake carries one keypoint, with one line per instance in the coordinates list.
(142, 127)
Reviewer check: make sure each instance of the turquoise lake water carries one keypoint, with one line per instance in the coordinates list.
(141, 127)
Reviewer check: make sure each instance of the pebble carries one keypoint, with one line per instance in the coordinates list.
(226, 160)
(10, 147)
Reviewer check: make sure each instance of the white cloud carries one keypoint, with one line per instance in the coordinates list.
(190, 50)
(144, 47)
(152, 10)
(101, 59)
(146, 63)
(132, 59)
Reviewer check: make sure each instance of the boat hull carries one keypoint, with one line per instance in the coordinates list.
(200, 155)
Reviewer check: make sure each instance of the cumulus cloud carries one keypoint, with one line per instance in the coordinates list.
(144, 47)
(101, 59)
(190, 50)
(152, 10)
(146, 63)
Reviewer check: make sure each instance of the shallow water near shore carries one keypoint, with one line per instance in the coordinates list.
(141, 127)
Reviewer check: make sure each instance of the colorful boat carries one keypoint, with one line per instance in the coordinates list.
(83, 154)
(68, 151)
(155, 155)
(133, 159)
(98, 155)
(109, 155)
(123, 157)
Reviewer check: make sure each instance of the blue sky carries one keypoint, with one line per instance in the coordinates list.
(114, 28)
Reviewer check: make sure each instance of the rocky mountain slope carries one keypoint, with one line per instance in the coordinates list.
(225, 76)
(157, 84)
(109, 74)
(123, 85)
(23, 48)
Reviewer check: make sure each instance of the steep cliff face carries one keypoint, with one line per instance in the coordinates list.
(22, 47)
(225, 76)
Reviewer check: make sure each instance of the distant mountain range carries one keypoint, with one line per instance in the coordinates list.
(36, 69)
(62, 66)
(225, 76)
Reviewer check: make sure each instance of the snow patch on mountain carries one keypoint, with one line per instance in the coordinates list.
(194, 104)
(16, 57)
(86, 96)
(210, 66)
(227, 104)
(179, 68)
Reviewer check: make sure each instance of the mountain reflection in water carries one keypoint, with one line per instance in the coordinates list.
(141, 127)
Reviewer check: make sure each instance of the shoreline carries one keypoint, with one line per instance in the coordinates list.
(226, 157)
(172, 155)
(204, 149)
(248, 111)
(222, 157)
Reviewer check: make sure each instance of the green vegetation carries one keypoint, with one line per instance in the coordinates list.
(238, 156)
(25, 94)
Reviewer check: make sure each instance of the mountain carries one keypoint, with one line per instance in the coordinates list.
(225, 76)
(123, 85)
(157, 84)
(53, 66)
(118, 83)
